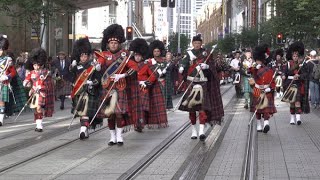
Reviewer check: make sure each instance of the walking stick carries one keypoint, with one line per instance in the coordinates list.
(176, 107)
(109, 91)
(260, 101)
(292, 81)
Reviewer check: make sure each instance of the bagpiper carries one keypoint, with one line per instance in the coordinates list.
(263, 96)
(204, 95)
(12, 92)
(42, 87)
(86, 92)
(119, 82)
(62, 77)
(295, 83)
(279, 67)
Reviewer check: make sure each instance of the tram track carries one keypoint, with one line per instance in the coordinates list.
(143, 163)
(133, 172)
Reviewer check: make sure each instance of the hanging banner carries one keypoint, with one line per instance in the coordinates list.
(254, 13)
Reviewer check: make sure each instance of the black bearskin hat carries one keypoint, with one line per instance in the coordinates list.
(278, 52)
(197, 38)
(156, 44)
(81, 46)
(139, 46)
(38, 56)
(113, 32)
(4, 43)
(262, 53)
(296, 47)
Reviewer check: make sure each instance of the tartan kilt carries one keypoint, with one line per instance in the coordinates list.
(50, 97)
(204, 106)
(64, 90)
(270, 109)
(169, 90)
(246, 86)
(19, 94)
(157, 116)
(4, 93)
(121, 104)
(144, 100)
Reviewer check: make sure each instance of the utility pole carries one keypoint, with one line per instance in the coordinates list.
(129, 12)
(178, 26)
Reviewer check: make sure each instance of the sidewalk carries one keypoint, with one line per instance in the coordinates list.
(290, 151)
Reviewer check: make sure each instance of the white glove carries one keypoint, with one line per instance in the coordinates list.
(153, 61)
(74, 63)
(258, 66)
(267, 90)
(181, 69)
(164, 71)
(90, 83)
(25, 83)
(98, 67)
(159, 72)
(118, 76)
(204, 66)
(142, 84)
(3, 78)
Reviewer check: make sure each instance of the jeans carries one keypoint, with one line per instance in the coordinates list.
(314, 92)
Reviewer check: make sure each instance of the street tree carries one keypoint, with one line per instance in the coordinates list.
(36, 13)
(173, 42)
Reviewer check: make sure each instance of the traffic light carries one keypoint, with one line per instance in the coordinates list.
(172, 3)
(129, 33)
(164, 3)
(279, 38)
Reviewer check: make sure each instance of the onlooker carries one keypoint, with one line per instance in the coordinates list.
(311, 66)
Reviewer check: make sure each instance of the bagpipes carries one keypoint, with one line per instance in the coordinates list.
(108, 76)
(290, 93)
(33, 97)
(263, 101)
(190, 84)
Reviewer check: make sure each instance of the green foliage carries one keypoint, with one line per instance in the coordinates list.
(36, 13)
(226, 44)
(173, 42)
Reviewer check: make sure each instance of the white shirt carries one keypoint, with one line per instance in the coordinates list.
(235, 63)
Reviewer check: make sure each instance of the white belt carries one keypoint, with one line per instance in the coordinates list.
(290, 77)
(261, 86)
(196, 79)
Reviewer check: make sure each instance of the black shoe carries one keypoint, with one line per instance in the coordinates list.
(194, 137)
(246, 106)
(0, 123)
(202, 137)
(82, 135)
(111, 143)
(62, 107)
(292, 123)
(38, 130)
(120, 143)
(298, 122)
(139, 130)
(266, 129)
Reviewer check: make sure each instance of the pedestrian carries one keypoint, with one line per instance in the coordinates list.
(42, 87)
(280, 63)
(235, 66)
(204, 95)
(246, 76)
(312, 66)
(121, 106)
(86, 91)
(62, 76)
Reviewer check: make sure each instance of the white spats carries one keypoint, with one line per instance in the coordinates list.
(194, 134)
(201, 132)
(113, 136)
(292, 119)
(39, 126)
(83, 132)
(119, 136)
(259, 125)
(1, 119)
(298, 118)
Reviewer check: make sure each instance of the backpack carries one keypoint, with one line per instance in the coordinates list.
(316, 70)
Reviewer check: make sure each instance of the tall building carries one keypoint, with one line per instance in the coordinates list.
(199, 4)
(186, 22)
